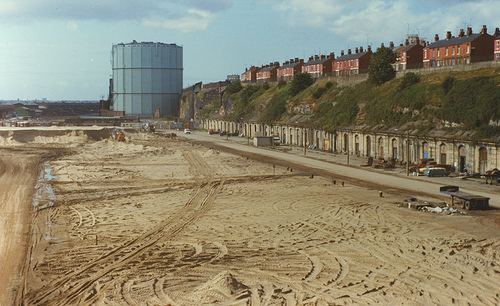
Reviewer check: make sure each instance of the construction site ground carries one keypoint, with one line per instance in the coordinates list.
(161, 221)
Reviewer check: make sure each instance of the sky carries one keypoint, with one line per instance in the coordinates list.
(60, 49)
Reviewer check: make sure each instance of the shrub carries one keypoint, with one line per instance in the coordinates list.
(281, 83)
(328, 85)
(447, 84)
(300, 82)
(319, 92)
(276, 107)
(266, 86)
(408, 80)
(234, 87)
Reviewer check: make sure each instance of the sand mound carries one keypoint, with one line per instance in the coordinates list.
(8, 142)
(74, 137)
(217, 290)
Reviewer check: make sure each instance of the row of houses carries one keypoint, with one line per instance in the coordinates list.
(470, 156)
(464, 48)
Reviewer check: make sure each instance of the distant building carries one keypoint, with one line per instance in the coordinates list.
(250, 75)
(497, 45)
(409, 55)
(352, 63)
(466, 48)
(319, 65)
(233, 78)
(268, 73)
(289, 69)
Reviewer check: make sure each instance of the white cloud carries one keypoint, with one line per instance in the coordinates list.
(185, 15)
(194, 20)
(359, 21)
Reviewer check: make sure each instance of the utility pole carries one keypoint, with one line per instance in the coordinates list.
(305, 143)
(408, 153)
(347, 146)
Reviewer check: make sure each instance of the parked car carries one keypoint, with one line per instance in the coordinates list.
(435, 172)
(222, 133)
(187, 131)
(276, 140)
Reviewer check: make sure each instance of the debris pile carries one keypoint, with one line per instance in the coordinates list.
(429, 206)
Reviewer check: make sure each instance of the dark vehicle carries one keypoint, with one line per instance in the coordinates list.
(222, 133)
(211, 132)
(466, 200)
(492, 176)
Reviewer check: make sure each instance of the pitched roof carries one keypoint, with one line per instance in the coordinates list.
(405, 48)
(269, 68)
(453, 41)
(317, 61)
(347, 57)
(291, 65)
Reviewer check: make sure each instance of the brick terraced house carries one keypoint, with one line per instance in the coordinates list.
(409, 55)
(319, 65)
(466, 48)
(497, 45)
(267, 73)
(352, 63)
(289, 69)
(250, 75)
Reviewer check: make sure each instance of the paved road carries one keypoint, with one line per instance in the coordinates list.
(392, 181)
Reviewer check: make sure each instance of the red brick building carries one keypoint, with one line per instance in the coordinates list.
(268, 73)
(497, 45)
(466, 48)
(352, 63)
(250, 75)
(319, 65)
(409, 55)
(289, 69)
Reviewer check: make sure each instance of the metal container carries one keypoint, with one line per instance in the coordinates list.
(147, 77)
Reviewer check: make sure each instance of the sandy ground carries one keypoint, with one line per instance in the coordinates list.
(166, 222)
(18, 171)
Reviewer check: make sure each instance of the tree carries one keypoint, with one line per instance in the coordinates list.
(380, 69)
(409, 79)
(300, 82)
(234, 87)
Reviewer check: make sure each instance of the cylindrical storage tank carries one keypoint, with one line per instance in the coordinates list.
(146, 77)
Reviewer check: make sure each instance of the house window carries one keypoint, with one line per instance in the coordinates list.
(446, 51)
(425, 53)
(458, 50)
(439, 53)
(468, 49)
(452, 50)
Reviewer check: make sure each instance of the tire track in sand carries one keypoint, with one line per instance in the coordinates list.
(71, 288)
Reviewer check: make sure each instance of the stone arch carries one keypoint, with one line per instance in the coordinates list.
(394, 148)
(380, 144)
(462, 154)
(425, 150)
(356, 145)
(483, 160)
(368, 146)
(442, 154)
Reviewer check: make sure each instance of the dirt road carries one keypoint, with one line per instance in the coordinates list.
(353, 173)
(18, 173)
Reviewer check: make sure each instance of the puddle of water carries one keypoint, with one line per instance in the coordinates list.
(44, 196)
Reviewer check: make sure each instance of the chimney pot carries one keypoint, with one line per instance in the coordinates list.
(391, 44)
(382, 45)
(341, 52)
(436, 37)
(356, 50)
(407, 42)
(497, 31)
(484, 30)
(369, 49)
(448, 35)
(469, 31)
(349, 51)
(361, 49)
(461, 33)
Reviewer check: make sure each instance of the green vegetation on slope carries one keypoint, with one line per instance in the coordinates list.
(468, 100)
